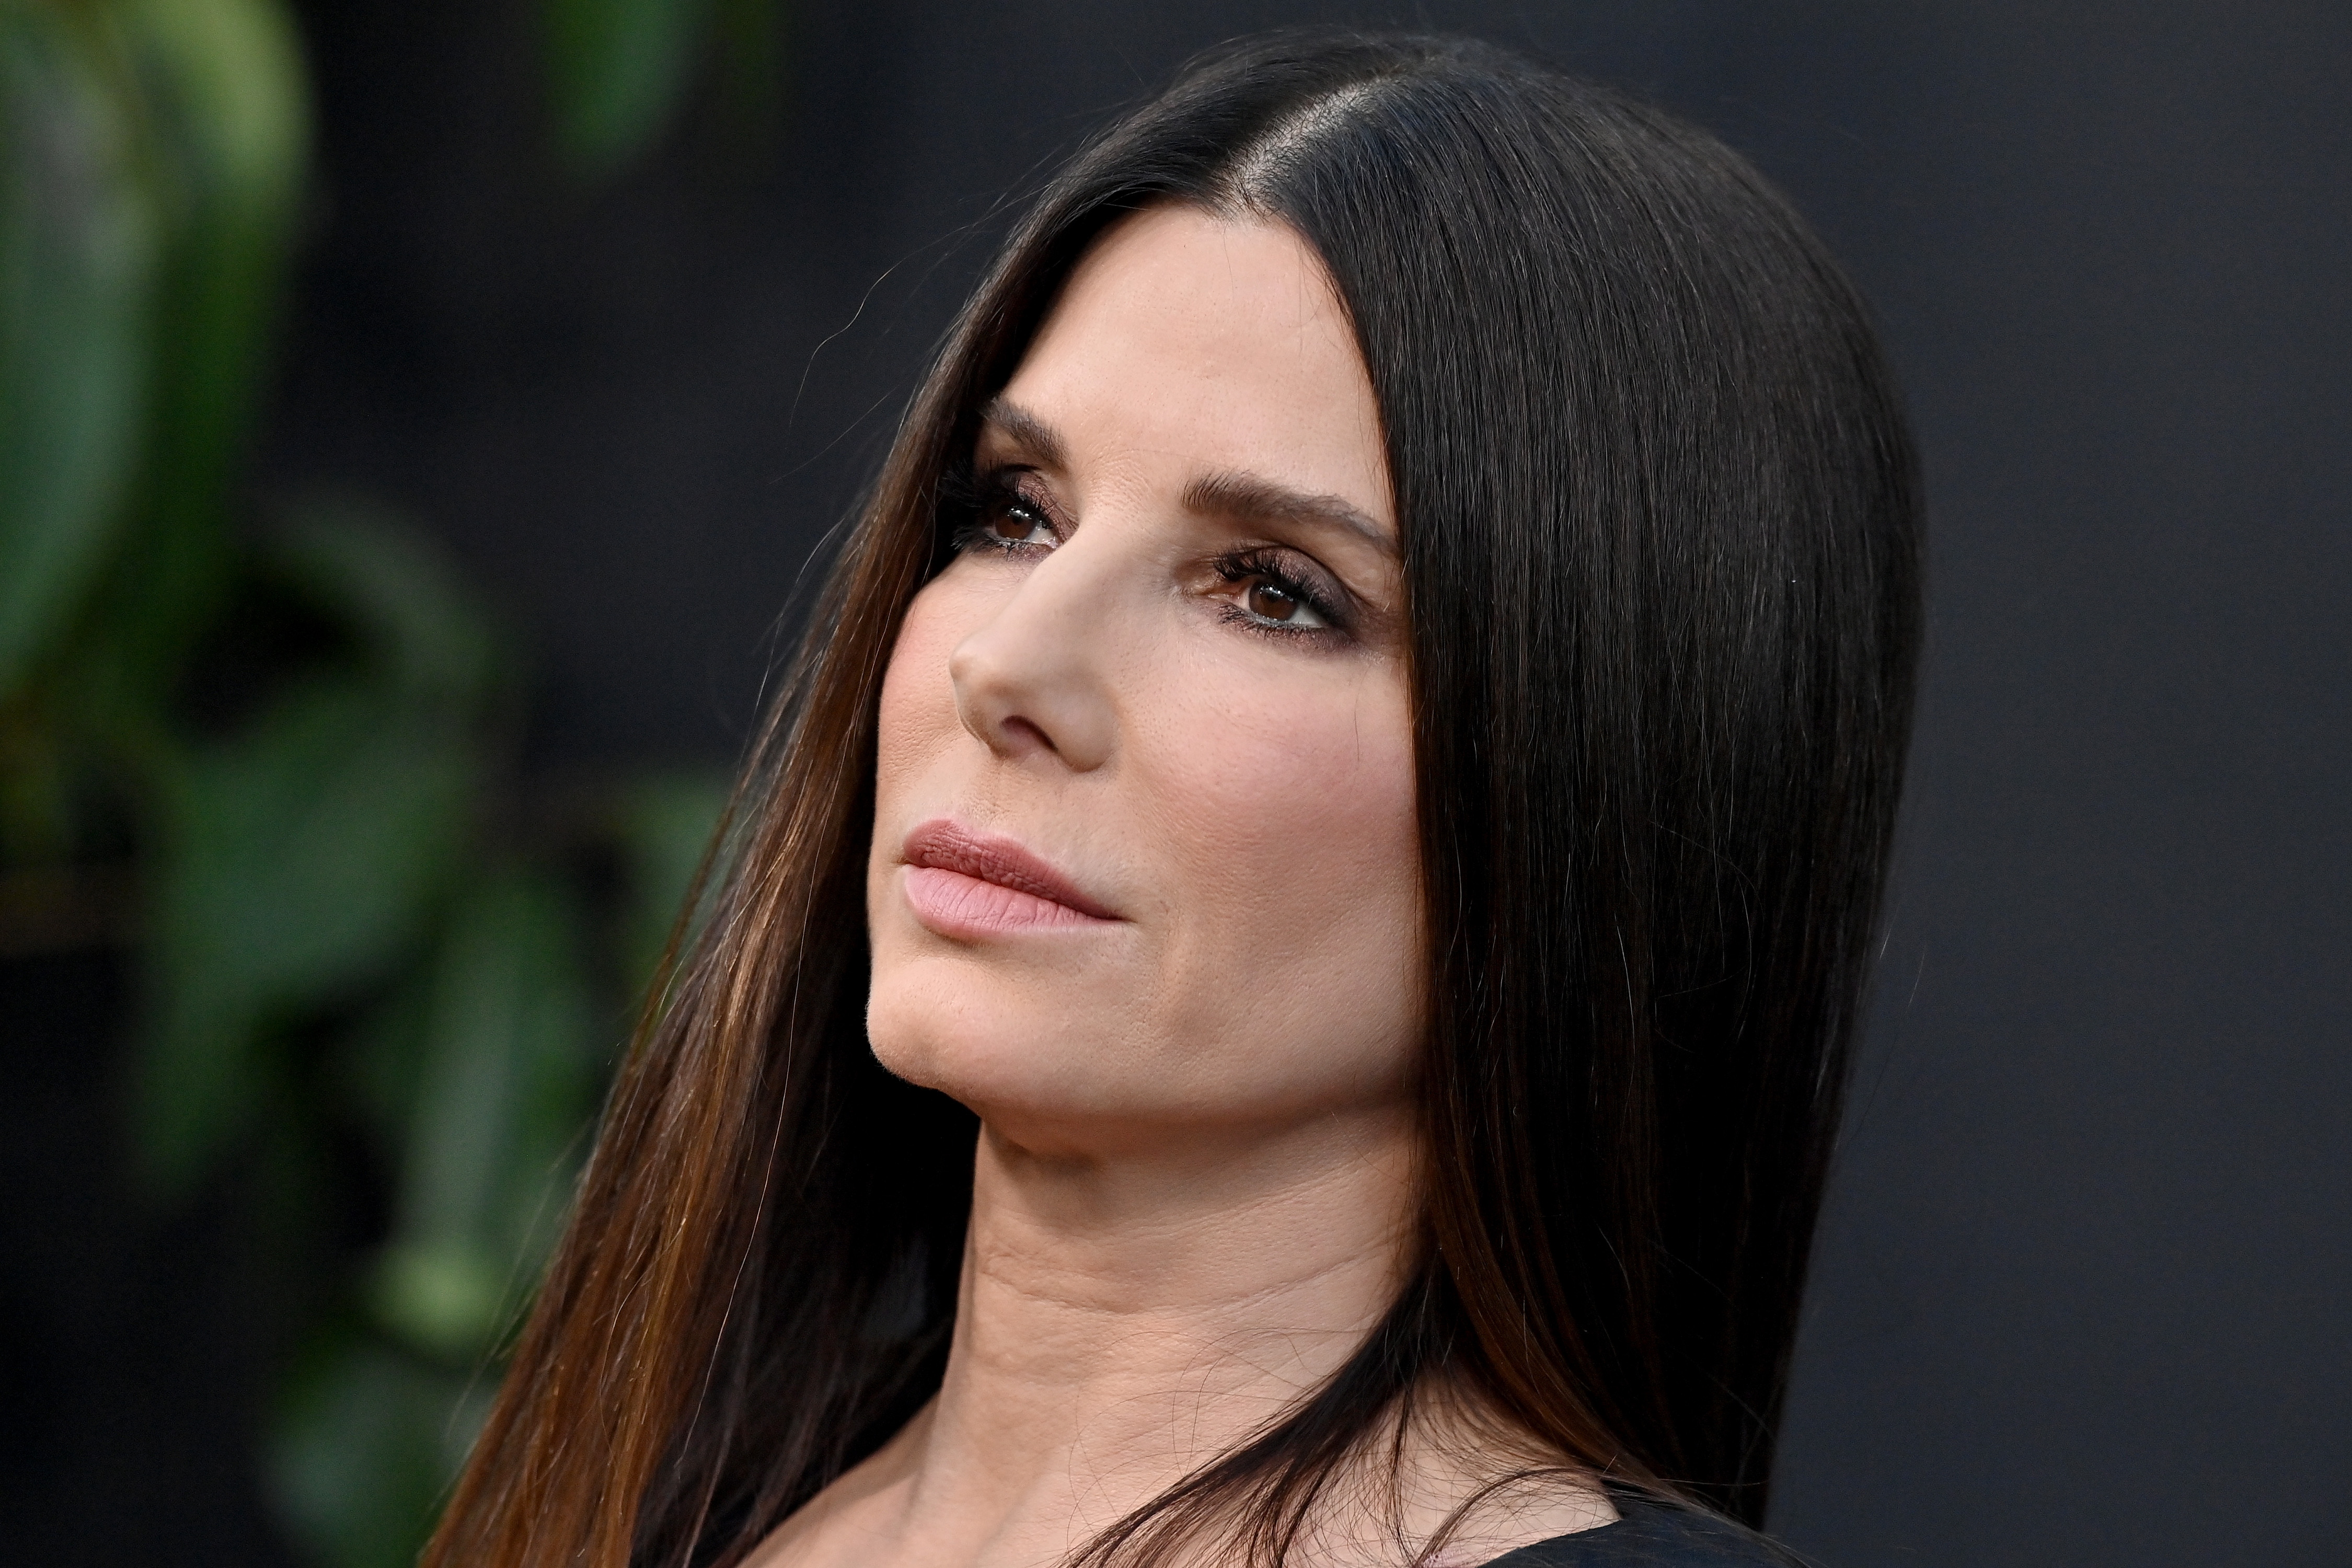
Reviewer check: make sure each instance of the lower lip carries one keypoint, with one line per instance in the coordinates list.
(955, 905)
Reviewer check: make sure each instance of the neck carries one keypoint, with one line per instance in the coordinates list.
(1124, 1319)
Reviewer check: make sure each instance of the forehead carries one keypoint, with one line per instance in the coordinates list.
(1189, 343)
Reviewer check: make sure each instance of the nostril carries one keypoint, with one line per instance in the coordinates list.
(1020, 735)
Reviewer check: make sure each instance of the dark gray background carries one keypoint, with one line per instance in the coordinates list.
(2081, 1293)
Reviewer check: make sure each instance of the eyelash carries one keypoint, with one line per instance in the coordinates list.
(1242, 565)
(973, 499)
(972, 502)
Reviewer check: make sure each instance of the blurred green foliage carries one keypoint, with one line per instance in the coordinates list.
(619, 71)
(276, 755)
(615, 71)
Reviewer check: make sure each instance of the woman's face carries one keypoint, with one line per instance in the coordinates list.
(1144, 859)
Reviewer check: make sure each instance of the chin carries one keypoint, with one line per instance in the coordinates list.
(989, 1045)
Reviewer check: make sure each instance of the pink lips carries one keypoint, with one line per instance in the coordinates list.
(964, 884)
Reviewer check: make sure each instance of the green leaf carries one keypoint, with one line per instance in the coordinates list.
(231, 124)
(228, 119)
(231, 74)
(615, 69)
(79, 243)
(295, 864)
(367, 568)
(510, 1077)
(446, 1299)
(368, 1444)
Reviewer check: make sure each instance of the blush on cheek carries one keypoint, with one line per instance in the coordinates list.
(1299, 927)
(1308, 805)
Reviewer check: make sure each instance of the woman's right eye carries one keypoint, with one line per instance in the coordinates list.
(1010, 522)
(1003, 518)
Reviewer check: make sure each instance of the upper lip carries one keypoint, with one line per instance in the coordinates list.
(993, 858)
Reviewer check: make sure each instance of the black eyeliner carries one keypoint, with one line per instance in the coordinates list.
(974, 500)
(1265, 564)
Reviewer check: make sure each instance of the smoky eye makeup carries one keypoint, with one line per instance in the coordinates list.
(1266, 588)
(1002, 510)
(1282, 593)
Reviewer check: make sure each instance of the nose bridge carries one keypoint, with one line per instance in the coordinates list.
(1035, 676)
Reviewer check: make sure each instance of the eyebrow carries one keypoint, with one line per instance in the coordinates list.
(1025, 429)
(1250, 498)
(1243, 496)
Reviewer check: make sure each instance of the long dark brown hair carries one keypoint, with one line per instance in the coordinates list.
(1661, 544)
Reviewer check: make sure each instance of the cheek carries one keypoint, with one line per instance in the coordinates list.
(916, 715)
(1293, 821)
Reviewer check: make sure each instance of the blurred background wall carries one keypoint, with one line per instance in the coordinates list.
(2081, 1294)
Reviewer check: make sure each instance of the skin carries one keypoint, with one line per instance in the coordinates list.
(1194, 1182)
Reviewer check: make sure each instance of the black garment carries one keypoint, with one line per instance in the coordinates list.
(1650, 1534)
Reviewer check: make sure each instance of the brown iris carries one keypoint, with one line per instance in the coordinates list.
(1265, 599)
(1015, 524)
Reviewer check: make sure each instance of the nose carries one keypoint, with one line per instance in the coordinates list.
(1032, 682)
